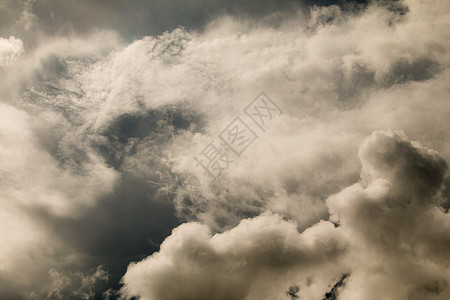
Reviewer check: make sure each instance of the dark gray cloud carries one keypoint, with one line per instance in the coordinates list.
(137, 18)
(122, 227)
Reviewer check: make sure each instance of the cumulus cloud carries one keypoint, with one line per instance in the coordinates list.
(237, 264)
(392, 219)
(392, 238)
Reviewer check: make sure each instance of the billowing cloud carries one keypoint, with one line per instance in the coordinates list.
(392, 238)
(398, 233)
(238, 264)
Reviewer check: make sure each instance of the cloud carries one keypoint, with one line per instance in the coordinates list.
(98, 127)
(33, 180)
(135, 18)
(45, 184)
(37, 170)
(75, 285)
(333, 80)
(10, 50)
(398, 231)
(237, 264)
(389, 223)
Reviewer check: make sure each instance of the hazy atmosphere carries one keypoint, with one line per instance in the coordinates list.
(224, 150)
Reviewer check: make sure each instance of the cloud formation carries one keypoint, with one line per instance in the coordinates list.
(398, 232)
(238, 264)
(99, 126)
(392, 238)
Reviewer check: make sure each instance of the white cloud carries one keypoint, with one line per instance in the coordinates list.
(258, 258)
(45, 184)
(10, 50)
(398, 233)
(393, 240)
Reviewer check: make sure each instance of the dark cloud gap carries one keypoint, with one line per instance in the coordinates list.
(136, 217)
(155, 127)
(352, 88)
(132, 221)
(446, 195)
(395, 6)
(122, 227)
(333, 293)
(138, 18)
(419, 69)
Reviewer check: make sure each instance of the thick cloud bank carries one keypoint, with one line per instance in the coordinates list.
(399, 235)
(393, 239)
(259, 253)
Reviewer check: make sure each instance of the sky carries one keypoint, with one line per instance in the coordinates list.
(227, 150)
